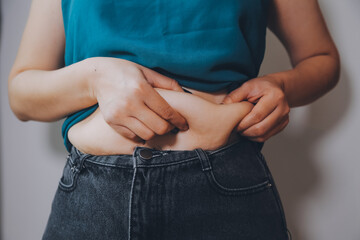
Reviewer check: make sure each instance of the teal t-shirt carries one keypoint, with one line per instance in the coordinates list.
(207, 45)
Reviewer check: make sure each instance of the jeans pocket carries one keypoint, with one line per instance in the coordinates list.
(237, 173)
(70, 174)
(222, 189)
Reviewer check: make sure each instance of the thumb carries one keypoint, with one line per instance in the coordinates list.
(236, 95)
(160, 81)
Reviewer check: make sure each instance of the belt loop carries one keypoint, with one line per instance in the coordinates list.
(135, 156)
(82, 160)
(204, 159)
(79, 159)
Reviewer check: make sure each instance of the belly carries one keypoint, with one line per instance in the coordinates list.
(211, 125)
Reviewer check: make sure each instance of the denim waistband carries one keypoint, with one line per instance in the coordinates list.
(150, 157)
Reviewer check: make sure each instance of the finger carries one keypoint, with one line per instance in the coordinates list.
(262, 109)
(158, 104)
(277, 130)
(264, 126)
(153, 121)
(138, 128)
(127, 133)
(273, 132)
(237, 95)
(161, 81)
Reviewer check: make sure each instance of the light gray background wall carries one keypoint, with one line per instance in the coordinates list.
(315, 161)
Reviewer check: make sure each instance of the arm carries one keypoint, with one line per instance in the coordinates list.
(41, 88)
(301, 28)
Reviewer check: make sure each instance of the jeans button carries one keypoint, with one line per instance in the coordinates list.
(146, 154)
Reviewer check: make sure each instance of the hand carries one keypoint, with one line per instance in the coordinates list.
(128, 101)
(270, 115)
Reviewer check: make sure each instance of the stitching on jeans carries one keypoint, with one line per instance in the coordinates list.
(167, 164)
(107, 164)
(131, 197)
(239, 189)
(222, 148)
(275, 191)
(289, 234)
(89, 159)
(75, 167)
(202, 156)
(236, 191)
(209, 153)
(276, 196)
(141, 166)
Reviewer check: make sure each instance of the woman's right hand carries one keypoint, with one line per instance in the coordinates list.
(128, 101)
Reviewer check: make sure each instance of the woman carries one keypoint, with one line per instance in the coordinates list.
(125, 89)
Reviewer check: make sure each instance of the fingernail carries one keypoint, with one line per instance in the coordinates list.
(186, 127)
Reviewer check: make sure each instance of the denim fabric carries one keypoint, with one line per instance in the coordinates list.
(227, 193)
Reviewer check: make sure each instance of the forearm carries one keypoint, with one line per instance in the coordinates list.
(309, 79)
(50, 95)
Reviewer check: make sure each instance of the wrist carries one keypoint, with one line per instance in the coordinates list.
(287, 81)
(278, 79)
(284, 80)
(92, 75)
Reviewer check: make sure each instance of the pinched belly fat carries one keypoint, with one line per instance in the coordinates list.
(211, 125)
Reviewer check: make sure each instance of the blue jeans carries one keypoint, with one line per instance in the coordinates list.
(227, 193)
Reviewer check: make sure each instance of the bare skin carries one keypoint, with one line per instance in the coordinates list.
(301, 28)
(41, 88)
(210, 126)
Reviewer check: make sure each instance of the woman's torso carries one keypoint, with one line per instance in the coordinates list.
(206, 45)
(210, 126)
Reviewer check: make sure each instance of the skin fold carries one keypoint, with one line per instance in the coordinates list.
(211, 126)
(42, 88)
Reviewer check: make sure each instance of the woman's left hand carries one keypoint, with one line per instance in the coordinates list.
(270, 115)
